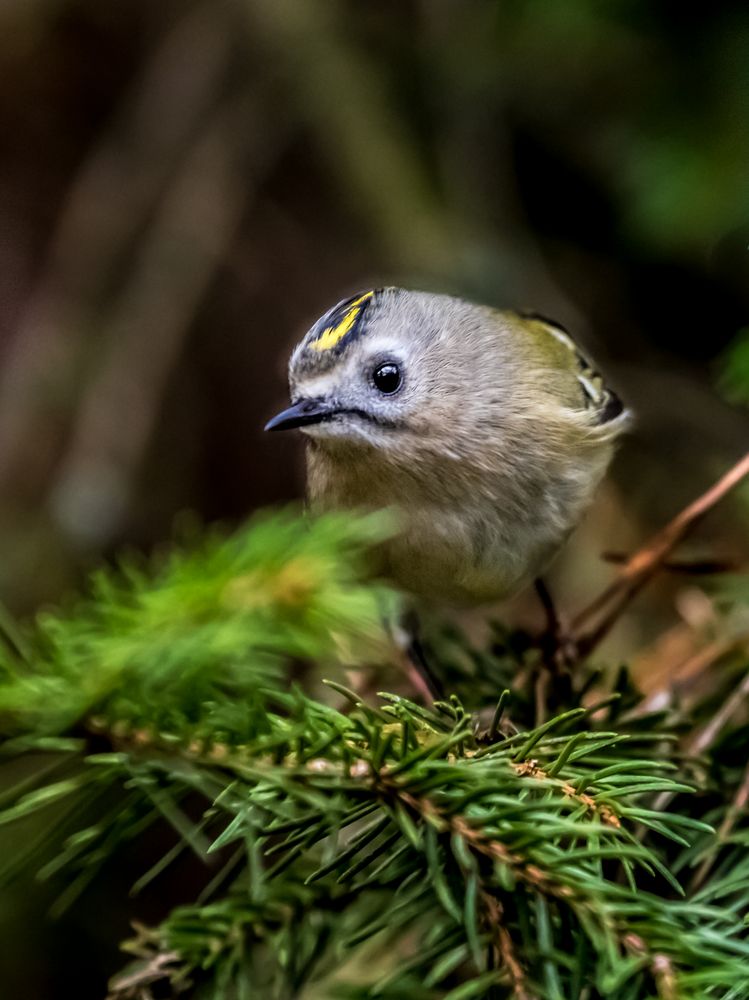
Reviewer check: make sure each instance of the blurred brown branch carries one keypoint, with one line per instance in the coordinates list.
(687, 567)
(112, 197)
(177, 257)
(594, 622)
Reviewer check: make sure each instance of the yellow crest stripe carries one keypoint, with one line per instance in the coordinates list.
(333, 335)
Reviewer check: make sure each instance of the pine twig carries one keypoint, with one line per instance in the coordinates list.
(483, 845)
(665, 977)
(506, 955)
(645, 563)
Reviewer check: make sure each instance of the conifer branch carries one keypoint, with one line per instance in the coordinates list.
(537, 864)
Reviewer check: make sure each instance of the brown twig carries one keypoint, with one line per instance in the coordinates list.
(504, 947)
(724, 831)
(709, 733)
(593, 623)
(706, 736)
(111, 198)
(688, 567)
(147, 324)
(689, 672)
(665, 977)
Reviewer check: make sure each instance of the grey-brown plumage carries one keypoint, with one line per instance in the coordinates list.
(486, 432)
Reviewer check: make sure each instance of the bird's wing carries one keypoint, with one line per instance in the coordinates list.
(595, 395)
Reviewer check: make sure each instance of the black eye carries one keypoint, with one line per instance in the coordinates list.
(387, 378)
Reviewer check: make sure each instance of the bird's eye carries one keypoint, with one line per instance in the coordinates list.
(387, 378)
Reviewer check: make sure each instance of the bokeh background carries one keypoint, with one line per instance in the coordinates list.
(186, 185)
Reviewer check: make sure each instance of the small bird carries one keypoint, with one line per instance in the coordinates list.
(485, 431)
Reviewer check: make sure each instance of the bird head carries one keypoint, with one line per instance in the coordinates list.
(384, 366)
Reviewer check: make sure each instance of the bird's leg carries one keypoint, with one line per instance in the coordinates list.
(548, 642)
(423, 676)
(556, 642)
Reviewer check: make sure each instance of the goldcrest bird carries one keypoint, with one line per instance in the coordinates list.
(487, 433)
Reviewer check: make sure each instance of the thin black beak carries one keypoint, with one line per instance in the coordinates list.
(301, 414)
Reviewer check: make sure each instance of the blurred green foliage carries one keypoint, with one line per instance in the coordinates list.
(169, 635)
(734, 374)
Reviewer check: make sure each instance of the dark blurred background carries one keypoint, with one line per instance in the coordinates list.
(186, 185)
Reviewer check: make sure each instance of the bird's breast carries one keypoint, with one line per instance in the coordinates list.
(466, 537)
(454, 545)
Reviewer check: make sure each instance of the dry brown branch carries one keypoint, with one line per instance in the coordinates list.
(689, 672)
(593, 623)
(706, 736)
(738, 806)
(178, 257)
(687, 567)
(110, 199)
